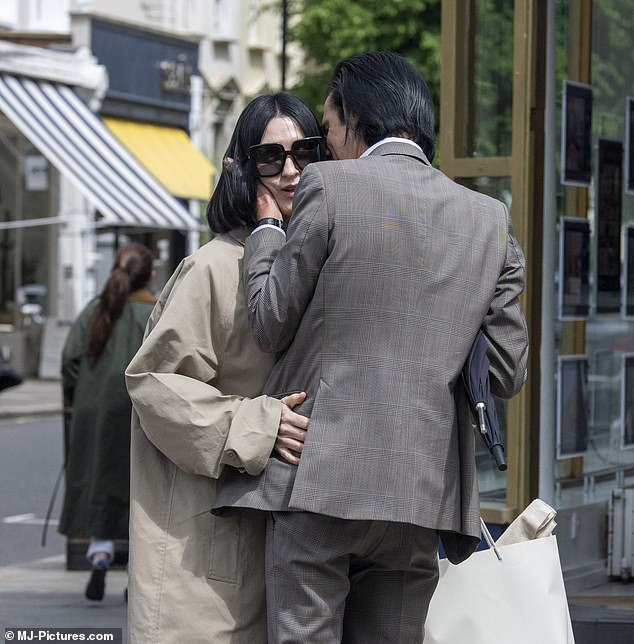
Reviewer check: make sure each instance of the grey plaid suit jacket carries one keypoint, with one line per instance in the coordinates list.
(373, 301)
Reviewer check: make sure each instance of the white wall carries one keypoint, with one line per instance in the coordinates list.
(9, 14)
(178, 16)
(35, 15)
(76, 268)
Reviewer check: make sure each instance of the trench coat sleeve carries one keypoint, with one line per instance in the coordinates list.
(505, 325)
(72, 353)
(279, 277)
(172, 382)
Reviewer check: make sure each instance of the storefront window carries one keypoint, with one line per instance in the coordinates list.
(496, 187)
(491, 481)
(7, 216)
(27, 248)
(33, 294)
(605, 337)
(25, 261)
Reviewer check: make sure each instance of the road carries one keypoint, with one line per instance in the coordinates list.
(30, 459)
(36, 590)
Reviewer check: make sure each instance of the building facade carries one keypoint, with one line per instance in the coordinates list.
(168, 80)
(545, 124)
(43, 214)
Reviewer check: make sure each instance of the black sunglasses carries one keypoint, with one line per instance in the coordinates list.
(268, 159)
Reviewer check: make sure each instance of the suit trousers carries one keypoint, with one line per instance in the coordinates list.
(332, 580)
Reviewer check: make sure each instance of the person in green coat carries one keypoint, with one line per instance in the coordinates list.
(101, 343)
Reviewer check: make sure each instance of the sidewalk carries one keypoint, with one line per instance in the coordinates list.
(32, 397)
(604, 615)
(43, 592)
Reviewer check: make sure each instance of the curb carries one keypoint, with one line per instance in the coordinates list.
(53, 410)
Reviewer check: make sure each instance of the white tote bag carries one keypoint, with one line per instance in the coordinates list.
(519, 599)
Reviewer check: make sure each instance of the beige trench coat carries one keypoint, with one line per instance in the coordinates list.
(194, 386)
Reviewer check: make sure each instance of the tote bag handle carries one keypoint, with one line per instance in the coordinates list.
(489, 539)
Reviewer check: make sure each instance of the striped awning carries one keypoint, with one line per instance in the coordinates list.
(62, 127)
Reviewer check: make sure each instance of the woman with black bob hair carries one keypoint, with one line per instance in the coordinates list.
(195, 386)
(233, 202)
(374, 105)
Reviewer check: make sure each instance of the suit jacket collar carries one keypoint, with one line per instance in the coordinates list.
(396, 147)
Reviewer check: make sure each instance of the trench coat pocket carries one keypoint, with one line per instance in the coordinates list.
(224, 547)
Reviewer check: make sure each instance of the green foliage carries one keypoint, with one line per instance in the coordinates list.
(491, 81)
(612, 75)
(331, 30)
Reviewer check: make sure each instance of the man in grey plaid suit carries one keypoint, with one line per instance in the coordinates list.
(373, 299)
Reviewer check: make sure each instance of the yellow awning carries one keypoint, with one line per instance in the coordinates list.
(169, 155)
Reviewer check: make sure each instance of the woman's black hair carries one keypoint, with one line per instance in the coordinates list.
(380, 94)
(232, 203)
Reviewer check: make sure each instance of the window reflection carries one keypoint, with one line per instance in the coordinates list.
(491, 481)
(490, 82)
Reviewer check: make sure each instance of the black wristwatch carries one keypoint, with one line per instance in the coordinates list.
(272, 221)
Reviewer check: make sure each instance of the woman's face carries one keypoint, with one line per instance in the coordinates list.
(283, 130)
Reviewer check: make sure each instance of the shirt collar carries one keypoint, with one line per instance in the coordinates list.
(389, 139)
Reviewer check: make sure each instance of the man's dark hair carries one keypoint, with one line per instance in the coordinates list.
(232, 203)
(380, 94)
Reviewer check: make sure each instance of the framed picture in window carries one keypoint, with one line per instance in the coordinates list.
(629, 145)
(627, 401)
(576, 134)
(574, 268)
(572, 406)
(628, 272)
(608, 230)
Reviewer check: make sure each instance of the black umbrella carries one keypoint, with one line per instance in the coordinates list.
(475, 375)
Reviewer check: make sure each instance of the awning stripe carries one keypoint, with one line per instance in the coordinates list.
(85, 145)
(74, 156)
(63, 128)
(146, 188)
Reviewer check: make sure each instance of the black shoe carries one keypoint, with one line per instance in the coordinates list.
(97, 583)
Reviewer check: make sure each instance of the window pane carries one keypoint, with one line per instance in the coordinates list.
(491, 481)
(607, 337)
(497, 187)
(490, 96)
(8, 181)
